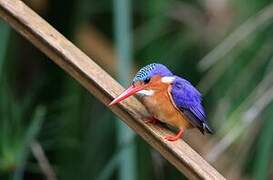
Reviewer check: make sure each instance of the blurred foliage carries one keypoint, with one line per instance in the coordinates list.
(223, 47)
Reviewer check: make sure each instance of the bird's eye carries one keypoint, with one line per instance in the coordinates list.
(147, 80)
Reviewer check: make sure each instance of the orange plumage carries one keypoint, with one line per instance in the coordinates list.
(161, 105)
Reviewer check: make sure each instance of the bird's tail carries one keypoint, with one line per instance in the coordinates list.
(207, 129)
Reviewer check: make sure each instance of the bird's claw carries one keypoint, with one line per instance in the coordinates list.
(171, 137)
(151, 120)
(176, 137)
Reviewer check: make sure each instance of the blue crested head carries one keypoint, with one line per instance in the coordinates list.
(151, 70)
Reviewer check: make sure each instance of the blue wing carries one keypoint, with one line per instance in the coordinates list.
(188, 99)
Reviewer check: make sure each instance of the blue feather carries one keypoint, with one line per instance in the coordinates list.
(188, 99)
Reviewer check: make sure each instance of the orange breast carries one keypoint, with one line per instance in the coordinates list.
(161, 107)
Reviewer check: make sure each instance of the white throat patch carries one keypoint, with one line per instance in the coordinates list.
(167, 79)
(145, 93)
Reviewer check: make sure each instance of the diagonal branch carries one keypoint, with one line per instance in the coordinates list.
(102, 86)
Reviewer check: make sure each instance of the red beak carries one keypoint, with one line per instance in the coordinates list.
(128, 92)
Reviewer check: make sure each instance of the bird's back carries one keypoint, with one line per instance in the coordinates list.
(189, 101)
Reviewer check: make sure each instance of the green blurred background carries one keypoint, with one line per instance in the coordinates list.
(52, 128)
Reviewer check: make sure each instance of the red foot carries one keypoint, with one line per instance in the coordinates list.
(176, 137)
(151, 120)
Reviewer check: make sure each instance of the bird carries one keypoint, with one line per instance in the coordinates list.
(169, 99)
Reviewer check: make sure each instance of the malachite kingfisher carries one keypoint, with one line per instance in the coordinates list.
(168, 98)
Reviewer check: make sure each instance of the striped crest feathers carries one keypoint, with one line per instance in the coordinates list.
(150, 70)
(143, 73)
